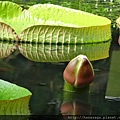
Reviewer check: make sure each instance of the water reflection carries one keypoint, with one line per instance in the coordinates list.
(75, 108)
(76, 103)
(6, 48)
(45, 80)
(54, 52)
(62, 53)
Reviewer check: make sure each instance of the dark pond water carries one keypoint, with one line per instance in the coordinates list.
(45, 79)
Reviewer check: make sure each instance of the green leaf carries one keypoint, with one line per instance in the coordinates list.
(65, 35)
(13, 99)
(67, 26)
(7, 33)
(60, 53)
(9, 10)
(18, 20)
(9, 91)
(47, 23)
(50, 14)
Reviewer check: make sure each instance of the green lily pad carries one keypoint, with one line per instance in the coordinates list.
(48, 23)
(7, 33)
(18, 20)
(61, 53)
(13, 99)
(9, 91)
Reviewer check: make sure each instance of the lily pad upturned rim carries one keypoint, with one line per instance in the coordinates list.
(92, 26)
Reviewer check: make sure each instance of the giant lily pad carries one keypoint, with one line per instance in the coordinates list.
(47, 23)
(17, 20)
(60, 53)
(13, 99)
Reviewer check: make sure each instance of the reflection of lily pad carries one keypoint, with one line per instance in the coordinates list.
(54, 24)
(59, 53)
(6, 48)
(13, 99)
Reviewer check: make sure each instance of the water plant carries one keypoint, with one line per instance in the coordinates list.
(78, 73)
(14, 99)
(48, 23)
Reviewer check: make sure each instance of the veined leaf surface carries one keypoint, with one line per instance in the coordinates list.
(13, 15)
(58, 24)
(48, 23)
(7, 33)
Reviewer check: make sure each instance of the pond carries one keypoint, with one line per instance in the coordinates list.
(42, 73)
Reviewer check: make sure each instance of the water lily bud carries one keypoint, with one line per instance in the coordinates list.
(79, 72)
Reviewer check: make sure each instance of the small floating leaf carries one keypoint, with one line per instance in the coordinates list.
(13, 99)
(9, 91)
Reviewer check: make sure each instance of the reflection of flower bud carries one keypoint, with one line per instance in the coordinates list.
(76, 108)
(79, 71)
